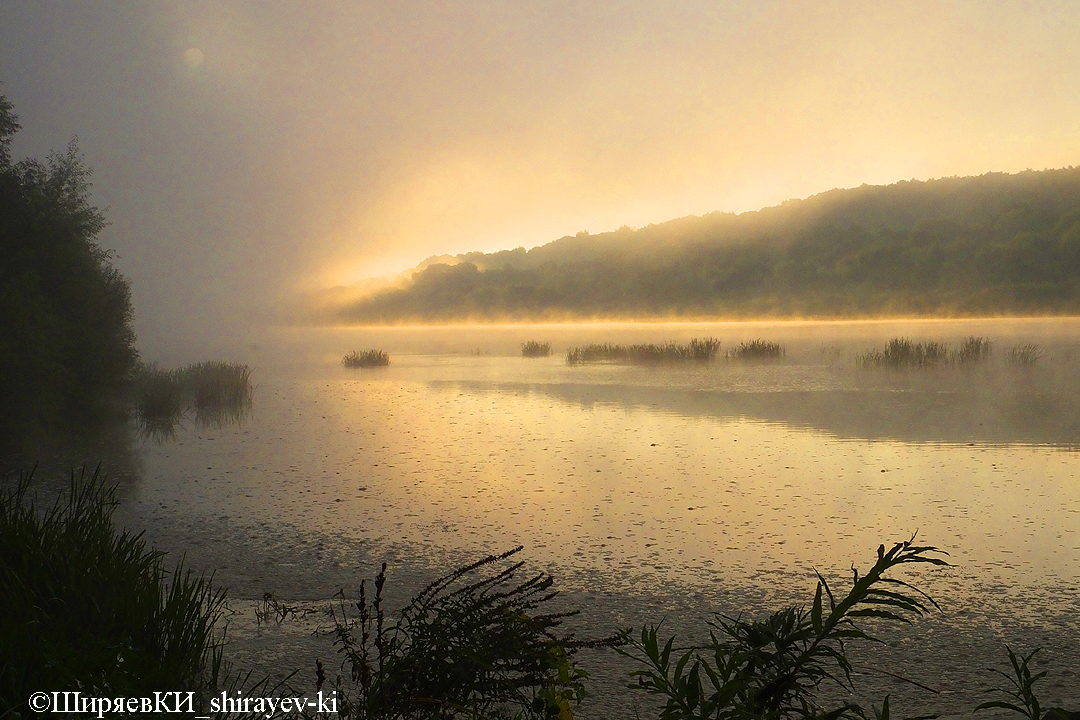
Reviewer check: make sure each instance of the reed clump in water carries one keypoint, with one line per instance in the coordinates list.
(159, 401)
(534, 349)
(215, 392)
(1025, 354)
(367, 358)
(905, 353)
(757, 350)
(698, 349)
(973, 350)
(91, 607)
(218, 391)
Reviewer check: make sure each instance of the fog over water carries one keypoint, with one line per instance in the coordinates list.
(647, 491)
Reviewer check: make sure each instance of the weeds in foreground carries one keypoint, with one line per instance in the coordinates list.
(1024, 701)
(698, 349)
(1025, 354)
(89, 607)
(471, 644)
(534, 349)
(368, 358)
(757, 350)
(772, 668)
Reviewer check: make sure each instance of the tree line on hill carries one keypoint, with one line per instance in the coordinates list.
(991, 244)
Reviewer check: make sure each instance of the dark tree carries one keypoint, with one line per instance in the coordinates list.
(66, 341)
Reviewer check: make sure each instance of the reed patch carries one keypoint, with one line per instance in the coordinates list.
(535, 349)
(757, 350)
(697, 349)
(366, 359)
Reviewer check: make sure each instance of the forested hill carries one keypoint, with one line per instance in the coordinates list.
(991, 244)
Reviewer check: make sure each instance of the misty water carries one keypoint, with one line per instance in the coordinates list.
(648, 492)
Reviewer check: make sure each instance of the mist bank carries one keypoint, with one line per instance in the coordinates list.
(961, 246)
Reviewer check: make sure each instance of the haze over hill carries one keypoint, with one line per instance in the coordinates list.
(991, 244)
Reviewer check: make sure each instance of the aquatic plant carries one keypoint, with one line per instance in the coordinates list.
(757, 350)
(1025, 354)
(368, 358)
(699, 349)
(218, 391)
(90, 607)
(471, 644)
(159, 401)
(533, 348)
(903, 353)
(973, 349)
(215, 392)
(772, 668)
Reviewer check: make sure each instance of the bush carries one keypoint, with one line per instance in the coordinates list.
(368, 358)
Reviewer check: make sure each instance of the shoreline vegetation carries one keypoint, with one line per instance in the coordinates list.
(480, 641)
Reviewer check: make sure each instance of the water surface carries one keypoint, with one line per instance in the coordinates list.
(649, 492)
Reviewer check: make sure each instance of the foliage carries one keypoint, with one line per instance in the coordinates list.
(699, 349)
(991, 244)
(368, 358)
(66, 340)
(1024, 702)
(772, 668)
(92, 608)
(757, 350)
(468, 645)
(534, 348)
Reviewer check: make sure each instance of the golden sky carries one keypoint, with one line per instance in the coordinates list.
(246, 149)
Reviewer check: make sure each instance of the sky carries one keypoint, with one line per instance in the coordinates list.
(245, 151)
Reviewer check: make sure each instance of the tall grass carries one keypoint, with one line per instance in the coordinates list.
(905, 353)
(367, 358)
(972, 350)
(757, 350)
(1025, 354)
(533, 349)
(218, 391)
(698, 349)
(215, 392)
(89, 607)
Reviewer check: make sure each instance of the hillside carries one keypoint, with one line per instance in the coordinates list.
(992, 244)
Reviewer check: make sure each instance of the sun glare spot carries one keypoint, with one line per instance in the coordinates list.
(193, 57)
